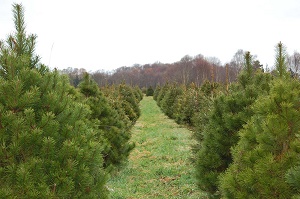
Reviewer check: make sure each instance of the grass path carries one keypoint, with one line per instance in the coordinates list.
(159, 166)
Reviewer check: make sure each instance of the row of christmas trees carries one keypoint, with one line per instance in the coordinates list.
(247, 134)
(57, 141)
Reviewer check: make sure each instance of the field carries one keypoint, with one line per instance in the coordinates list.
(160, 165)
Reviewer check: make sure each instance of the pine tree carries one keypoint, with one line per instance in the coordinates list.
(268, 145)
(203, 107)
(156, 92)
(129, 102)
(49, 149)
(281, 60)
(112, 95)
(137, 93)
(179, 113)
(149, 91)
(110, 124)
(209, 88)
(188, 104)
(168, 101)
(293, 177)
(161, 94)
(229, 114)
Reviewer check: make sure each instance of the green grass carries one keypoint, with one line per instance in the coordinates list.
(159, 166)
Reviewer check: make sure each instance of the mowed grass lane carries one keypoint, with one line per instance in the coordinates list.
(159, 166)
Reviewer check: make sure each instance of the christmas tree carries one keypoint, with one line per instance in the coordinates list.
(269, 144)
(169, 98)
(111, 126)
(149, 91)
(228, 115)
(49, 149)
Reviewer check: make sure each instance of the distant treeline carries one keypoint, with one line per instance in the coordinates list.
(189, 69)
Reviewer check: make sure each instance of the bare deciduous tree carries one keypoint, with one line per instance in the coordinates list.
(294, 62)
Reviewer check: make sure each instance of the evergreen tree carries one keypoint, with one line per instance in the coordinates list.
(161, 94)
(293, 178)
(268, 147)
(281, 60)
(229, 114)
(168, 101)
(203, 106)
(181, 110)
(188, 104)
(149, 91)
(19, 46)
(20, 43)
(138, 93)
(115, 101)
(49, 149)
(209, 88)
(156, 92)
(110, 124)
(124, 99)
(129, 102)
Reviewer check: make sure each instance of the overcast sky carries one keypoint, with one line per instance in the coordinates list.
(107, 34)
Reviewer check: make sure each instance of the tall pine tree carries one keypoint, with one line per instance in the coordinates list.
(229, 113)
(269, 143)
(49, 149)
